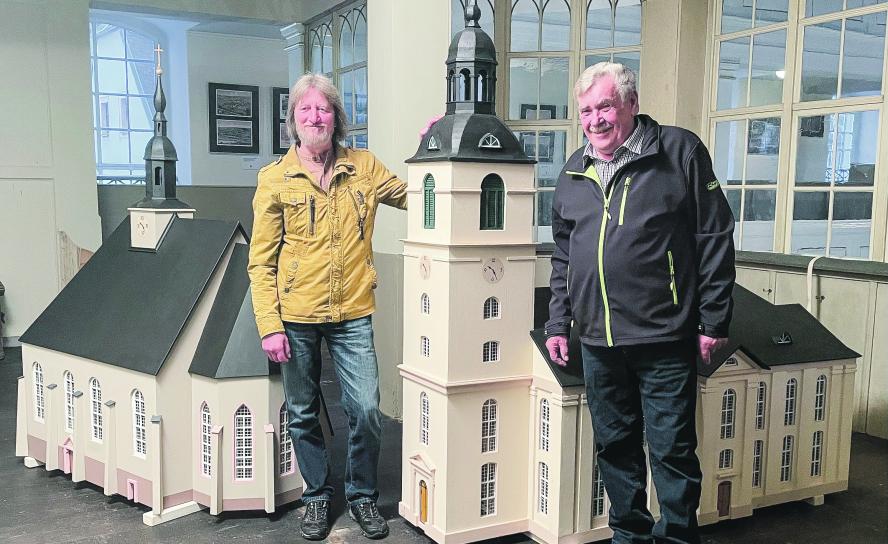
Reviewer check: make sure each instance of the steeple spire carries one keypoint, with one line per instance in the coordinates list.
(473, 13)
(471, 67)
(159, 98)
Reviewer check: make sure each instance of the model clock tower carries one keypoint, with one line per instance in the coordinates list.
(469, 261)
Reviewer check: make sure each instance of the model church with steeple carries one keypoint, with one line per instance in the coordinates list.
(496, 438)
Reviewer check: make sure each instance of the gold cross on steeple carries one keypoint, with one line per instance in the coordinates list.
(157, 69)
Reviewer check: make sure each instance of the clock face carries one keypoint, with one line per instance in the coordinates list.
(425, 267)
(492, 269)
(142, 225)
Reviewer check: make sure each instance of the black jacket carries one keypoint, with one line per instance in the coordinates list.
(650, 257)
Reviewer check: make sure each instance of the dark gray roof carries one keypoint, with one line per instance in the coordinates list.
(230, 346)
(471, 44)
(458, 137)
(755, 326)
(127, 308)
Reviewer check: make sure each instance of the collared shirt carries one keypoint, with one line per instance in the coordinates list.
(627, 151)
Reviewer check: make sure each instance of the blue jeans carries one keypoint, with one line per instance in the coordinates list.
(652, 388)
(351, 345)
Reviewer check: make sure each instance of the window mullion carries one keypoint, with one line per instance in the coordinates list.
(841, 59)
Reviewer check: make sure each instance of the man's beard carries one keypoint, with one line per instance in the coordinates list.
(312, 138)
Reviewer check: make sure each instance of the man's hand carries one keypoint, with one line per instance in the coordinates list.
(428, 126)
(277, 347)
(706, 346)
(557, 346)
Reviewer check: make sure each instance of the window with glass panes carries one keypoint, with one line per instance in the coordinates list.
(794, 139)
(123, 63)
(336, 46)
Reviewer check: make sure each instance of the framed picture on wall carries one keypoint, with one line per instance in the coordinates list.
(234, 118)
(764, 136)
(280, 137)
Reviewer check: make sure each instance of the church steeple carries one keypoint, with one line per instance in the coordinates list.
(471, 67)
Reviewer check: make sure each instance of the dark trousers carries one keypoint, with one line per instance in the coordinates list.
(648, 387)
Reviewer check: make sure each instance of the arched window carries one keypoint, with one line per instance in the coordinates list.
(544, 425)
(465, 84)
(69, 402)
(820, 399)
(39, 398)
(729, 403)
(489, 141)
(425, 347)
(786, 459)
(493, 200)
(616, 26)
(790, 405)
(491, 308)
(543, 501)
(726, 459)
(321, 47)
(140, 438)
(206, 444)
(243, 444)
(450, 91)
(488, 426)
(351, 72)
(488, 489)
(424, 416)
(481, 87)
(428, 202)
(123, 63)
(816, 453)
(491, 352)
(758, 448)
(424, 304)
(95, 395)
(760, 400)
(433, 144)
(285, 460)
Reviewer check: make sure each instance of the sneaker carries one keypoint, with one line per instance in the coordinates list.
(372, 524)
(316, 520)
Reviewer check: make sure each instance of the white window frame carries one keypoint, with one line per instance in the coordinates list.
(69, 401)
(789, 414)
(491, 308)
(424, 418)
(489, 425)
(39, 394)
(206, 441)
(786, 459)
(726, 459)
(488, 489)
(820, 399)
(817, 454)
(757, 450)
(728, 409)
(543, 489)
(140, 436)
(760, 399)
(425, 306)
(425, 346)
(243, 444)
(285, 451)
(490, 353)
(545, 413)
(95, 396)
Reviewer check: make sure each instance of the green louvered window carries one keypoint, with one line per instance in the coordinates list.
(428, 202)
(493, 198)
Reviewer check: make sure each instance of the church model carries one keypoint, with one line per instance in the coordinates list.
(145, 375)
(496, 438)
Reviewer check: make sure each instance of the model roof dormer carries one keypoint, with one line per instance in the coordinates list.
(150, 218)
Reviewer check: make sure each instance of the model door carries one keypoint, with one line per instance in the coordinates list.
(724, 499)
(423, 502)
(67, 459)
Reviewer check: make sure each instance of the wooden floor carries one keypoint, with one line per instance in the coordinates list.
(40, 506)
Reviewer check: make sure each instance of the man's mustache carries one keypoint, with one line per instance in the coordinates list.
(599, 128)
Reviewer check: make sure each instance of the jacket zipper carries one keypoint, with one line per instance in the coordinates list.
(623, 200)
(605, 216)
(358, 197)
(672, 279)
(311, 215)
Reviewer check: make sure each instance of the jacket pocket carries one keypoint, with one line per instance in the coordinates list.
(672, 286)
(296, 213)
(288, 269)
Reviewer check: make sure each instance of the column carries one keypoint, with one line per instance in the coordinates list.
(21, 420)
(155, 433)
(80, 436)
(294, 36)
(270, 468)
(52, 429)
(110, 422)
(216, 493)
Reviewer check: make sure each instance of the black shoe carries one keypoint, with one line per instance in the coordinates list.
(316, 520)
(372, 524)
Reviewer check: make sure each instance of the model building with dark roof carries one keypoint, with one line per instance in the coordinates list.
(145, 375)
(497, 439)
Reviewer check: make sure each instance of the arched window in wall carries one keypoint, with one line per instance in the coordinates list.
(424, 304)
(488, 489)
(428, 202)
(790, 402)
(424, 417)
(465, 84)
(488, 425)
(39, 394)
(123, 81)
(140, 437)
(729, 404)
(69, 402)
(95, 397)
(285, 458)
(544, 424)
(491, 308)
(206, 444)
(243, 444)
(760, 399)
(490, 352)
(786, 459)
(493, 201)
(820, 399)
(543, 491)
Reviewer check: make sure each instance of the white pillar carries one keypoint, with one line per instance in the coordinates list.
(80, 437)
(216, 492)
(156, 466)
(294, 36)
(270, 468)
(52, 429)
(110, 421)
(21, 420)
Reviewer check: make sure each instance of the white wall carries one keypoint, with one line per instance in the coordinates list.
(240, 60)
(47, 164)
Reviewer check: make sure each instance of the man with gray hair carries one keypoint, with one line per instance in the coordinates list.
(312, 278)
(643, 271)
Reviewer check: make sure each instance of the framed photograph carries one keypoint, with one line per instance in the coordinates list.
(811, 127)
(280, 137)
(764, 136)
(545, 147)
(234, 118)
(544, 111)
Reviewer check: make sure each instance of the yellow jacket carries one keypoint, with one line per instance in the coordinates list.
(311, 252)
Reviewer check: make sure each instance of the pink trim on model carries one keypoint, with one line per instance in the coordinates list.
(95, 471)
(200, 498)
(235, 479)
(66, 456)
(132, 490)
(143, 487)
(178, 498)
(37, 448)
(229, 505)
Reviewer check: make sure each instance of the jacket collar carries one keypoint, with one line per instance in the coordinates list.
(294, 167)
(650, 145)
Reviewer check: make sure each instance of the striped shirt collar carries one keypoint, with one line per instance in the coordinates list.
(632, 145)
